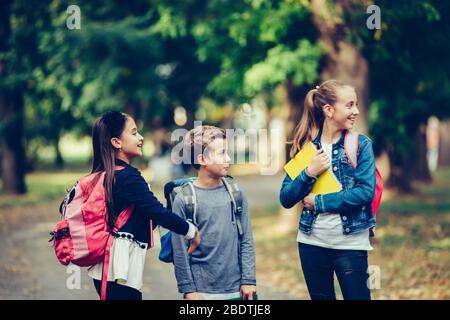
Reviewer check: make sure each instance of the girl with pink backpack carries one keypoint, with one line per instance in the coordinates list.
(108, 217)
(334, 228)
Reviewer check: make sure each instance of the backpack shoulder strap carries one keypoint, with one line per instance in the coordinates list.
(351, 147)
(190, 201)
(236, 199)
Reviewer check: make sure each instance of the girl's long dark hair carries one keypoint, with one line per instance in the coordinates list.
(110, 125)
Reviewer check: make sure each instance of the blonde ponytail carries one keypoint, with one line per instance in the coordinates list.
(309, 125)
(312, 118)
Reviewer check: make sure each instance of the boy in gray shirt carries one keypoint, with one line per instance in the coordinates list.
(223, 266)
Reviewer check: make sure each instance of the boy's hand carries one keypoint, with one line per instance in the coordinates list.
(194, 243)
(248, 291)
(308, 201)
(194, 296)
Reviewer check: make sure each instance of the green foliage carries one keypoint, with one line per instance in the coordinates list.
(259, 44)
(283, 63)
(147, 57)
(134, 56)
(409, 70)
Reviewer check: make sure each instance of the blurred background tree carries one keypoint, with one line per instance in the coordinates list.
(150, 58)
(409, 81)
(21, 22)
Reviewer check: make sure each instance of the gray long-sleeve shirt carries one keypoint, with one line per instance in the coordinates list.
(221, 263)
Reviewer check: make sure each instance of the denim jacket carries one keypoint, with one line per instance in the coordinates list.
(353, 202)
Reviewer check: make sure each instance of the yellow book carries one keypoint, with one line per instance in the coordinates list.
(327, 181)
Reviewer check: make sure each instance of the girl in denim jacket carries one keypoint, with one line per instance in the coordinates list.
(333, 234)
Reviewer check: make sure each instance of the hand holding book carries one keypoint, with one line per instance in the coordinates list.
(317, 164)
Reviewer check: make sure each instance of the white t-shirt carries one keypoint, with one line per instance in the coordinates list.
(327, 229)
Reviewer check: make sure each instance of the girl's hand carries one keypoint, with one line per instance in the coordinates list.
(319, 163)
(248, 291)
(194, 243)
(194, 296)
(308, 201)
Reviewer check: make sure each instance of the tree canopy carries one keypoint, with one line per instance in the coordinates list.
(149, 57)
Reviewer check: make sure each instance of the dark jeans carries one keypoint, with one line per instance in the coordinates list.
(116, 291)
(319, 265)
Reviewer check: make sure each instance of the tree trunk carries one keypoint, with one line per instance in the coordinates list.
(133, 109)
(190, 115)
(400, 172)
(421, 170)
(291, 114)
(59, 160)
(293, 108)
(405, 168)
(11, 118)
(444, 143)
(344, 60)
(13, 155)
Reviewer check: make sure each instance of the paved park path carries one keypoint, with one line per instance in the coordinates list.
(29, 269)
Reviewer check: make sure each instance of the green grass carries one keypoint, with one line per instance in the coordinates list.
(73, 162)
(42, 187)
(442, 174)
(77, 163)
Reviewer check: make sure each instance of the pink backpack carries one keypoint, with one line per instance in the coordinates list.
(82, 236)
(351, 149)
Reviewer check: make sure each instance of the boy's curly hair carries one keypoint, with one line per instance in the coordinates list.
(198, 139)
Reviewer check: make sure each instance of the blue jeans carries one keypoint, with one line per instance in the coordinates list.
(319, 265)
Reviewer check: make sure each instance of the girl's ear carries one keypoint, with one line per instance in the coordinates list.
(116, 143)
(328, 110)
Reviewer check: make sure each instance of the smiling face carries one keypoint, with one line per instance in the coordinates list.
(129, 144)
(344, 112)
